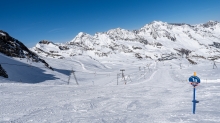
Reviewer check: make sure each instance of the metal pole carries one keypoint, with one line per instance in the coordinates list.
(194, 100)
(75, 77)
(213, 64)
(69, 79)
(194, 82)
(123, 75)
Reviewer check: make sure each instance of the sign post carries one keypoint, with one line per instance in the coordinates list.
(194, 80)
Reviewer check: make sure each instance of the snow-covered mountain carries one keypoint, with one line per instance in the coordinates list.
(157, 40)
(14, 48)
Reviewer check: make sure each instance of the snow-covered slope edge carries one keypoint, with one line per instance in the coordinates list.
(19, 64)
(14, 48)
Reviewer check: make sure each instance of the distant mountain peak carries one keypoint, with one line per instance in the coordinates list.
(157, 22)
(116, 30)
(45, 42)
(210, 23)
(80, 34)
(151, 41)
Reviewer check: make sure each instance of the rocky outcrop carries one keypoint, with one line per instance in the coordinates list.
(14, 48)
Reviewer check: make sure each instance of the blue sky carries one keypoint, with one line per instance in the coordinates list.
(61, 20)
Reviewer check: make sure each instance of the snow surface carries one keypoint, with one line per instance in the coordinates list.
(159, 94)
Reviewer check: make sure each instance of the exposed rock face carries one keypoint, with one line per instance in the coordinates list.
(210, 24)
(14, 48)
(45, 42)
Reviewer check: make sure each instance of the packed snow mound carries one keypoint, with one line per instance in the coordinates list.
(153, 41)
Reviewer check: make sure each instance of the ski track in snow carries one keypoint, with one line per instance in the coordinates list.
(163, 96)
(83, 67)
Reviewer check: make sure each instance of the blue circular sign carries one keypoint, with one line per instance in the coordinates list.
(194, 79)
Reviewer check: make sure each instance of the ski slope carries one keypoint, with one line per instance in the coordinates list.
(159, 94)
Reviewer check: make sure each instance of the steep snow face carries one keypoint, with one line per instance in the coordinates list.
(157, 30)
(152, 41)
(209, 30)
(82, 38)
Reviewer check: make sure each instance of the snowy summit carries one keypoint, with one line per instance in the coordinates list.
(151, 41)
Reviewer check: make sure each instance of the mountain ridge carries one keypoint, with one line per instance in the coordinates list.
(153, 40)
(12, 47)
